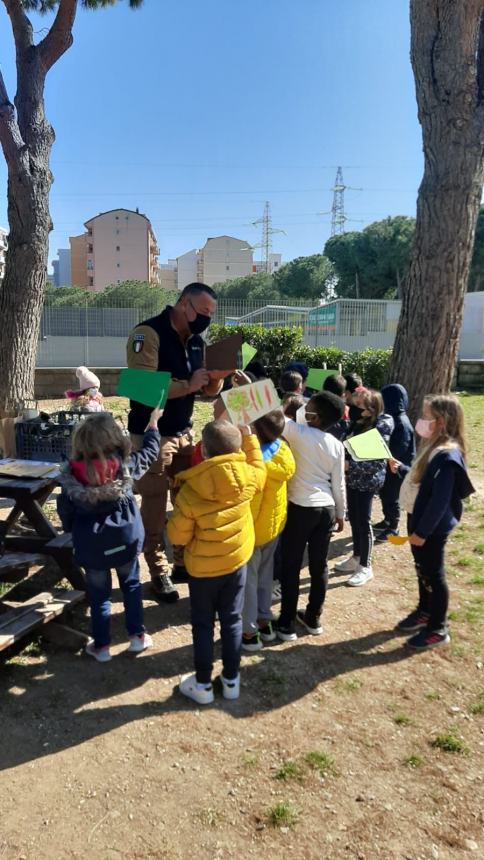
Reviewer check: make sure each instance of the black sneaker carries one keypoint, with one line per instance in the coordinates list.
(286, 634)
(383, 535)
(163, 588)
(312, 625)
(417, 620)
(179, 573)
(379, 527)
(426, 639)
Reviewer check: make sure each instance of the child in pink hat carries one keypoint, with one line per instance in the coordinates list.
(87, 397)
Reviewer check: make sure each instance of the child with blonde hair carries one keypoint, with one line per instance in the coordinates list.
(432, 494)
(97, 505)
(269, 509)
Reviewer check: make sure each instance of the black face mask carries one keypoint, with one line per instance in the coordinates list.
(199, 324)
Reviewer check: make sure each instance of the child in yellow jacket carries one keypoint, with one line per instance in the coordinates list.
(212, 519)
(269, 509)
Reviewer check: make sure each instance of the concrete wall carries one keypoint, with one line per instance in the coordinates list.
(50, 383)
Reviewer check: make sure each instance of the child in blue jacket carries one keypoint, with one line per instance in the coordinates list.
(97, 505)
(364, 479)
(402, 446)
(432, 494)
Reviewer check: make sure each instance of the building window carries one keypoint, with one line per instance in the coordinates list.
(90, 266)
(127, 217)
(118, 248)
(118, 265)
(89, 231)
(117, 232)
(116, 217)
(227, 268)
(276, 265)
(91, 282)
(90, 249)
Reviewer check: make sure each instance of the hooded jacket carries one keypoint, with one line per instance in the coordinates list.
(212, 517)
(269, 507)
(369, 475)
(438, 506)
(107, 530)
(402, 440)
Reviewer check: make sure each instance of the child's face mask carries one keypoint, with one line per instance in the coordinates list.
(425, 428)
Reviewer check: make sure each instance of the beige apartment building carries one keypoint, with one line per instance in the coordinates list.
(119, 245)
(222, 258)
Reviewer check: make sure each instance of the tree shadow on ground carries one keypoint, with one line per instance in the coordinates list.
(66, 701)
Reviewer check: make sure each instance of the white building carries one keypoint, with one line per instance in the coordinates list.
(222, 258)
(3, 251)
(275, 263)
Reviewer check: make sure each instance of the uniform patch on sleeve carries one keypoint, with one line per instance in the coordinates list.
(138, 342)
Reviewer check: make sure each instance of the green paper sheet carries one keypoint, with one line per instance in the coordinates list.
(145, 386)
(248, 353)
(368, 446)
(316, 377)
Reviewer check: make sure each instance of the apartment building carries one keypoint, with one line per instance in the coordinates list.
(3, 251)
(62, 268)
(275, 263)
(168, 275)
(222, 258)
(118, 246)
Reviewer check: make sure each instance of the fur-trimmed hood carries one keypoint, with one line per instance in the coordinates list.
(92, 496)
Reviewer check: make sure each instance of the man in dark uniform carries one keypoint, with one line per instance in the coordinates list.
(171, 342)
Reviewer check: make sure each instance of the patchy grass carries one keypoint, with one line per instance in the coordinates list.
(348, 685)
(283, 814)
(432, 696)
(402, 720)
(450, 742)
(320, 761)
(478, 707)
(414, 761)
(290, 770)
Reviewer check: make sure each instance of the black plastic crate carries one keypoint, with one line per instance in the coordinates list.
(49, 441)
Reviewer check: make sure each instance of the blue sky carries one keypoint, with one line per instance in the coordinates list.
(200, 112)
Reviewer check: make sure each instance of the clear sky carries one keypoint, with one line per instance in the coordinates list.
(199, 112)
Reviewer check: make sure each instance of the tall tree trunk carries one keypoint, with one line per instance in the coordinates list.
(448, 64)
(26, 138)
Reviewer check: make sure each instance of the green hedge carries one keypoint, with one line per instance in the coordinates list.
(277, 346)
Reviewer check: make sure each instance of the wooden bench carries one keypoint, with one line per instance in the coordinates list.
(39, 610)
(14, 565)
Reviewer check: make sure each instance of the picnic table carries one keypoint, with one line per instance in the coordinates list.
(29, 496)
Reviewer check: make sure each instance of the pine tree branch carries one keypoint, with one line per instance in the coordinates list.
(21, 25)
(10, 137)
(59, 38)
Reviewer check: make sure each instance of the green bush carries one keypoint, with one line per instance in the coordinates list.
(277, 346)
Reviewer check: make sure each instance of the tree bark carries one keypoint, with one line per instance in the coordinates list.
(27, 137)
(447, 59)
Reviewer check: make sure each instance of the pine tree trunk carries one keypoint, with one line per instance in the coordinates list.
(26, 138)
(447, 59)
(22, 292)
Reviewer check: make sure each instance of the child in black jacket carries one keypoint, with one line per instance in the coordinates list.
(402, 446)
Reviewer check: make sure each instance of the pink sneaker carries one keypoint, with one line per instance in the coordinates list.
(140, 643)
(102, 655)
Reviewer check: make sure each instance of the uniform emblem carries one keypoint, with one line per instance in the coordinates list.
(138, 342)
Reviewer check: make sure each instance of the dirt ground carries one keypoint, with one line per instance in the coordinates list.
(341, 746)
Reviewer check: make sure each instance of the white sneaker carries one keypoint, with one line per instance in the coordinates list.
(140, 643)
(231, 689)
(102, 655)
(361, 577)
(349, 565)
(202, 694)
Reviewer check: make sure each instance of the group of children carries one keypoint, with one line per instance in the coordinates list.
(254, 499)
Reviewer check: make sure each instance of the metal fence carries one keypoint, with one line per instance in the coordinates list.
(84, 333)
(96, 335)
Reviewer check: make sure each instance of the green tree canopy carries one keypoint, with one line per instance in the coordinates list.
(377, 256)
(305, 278)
